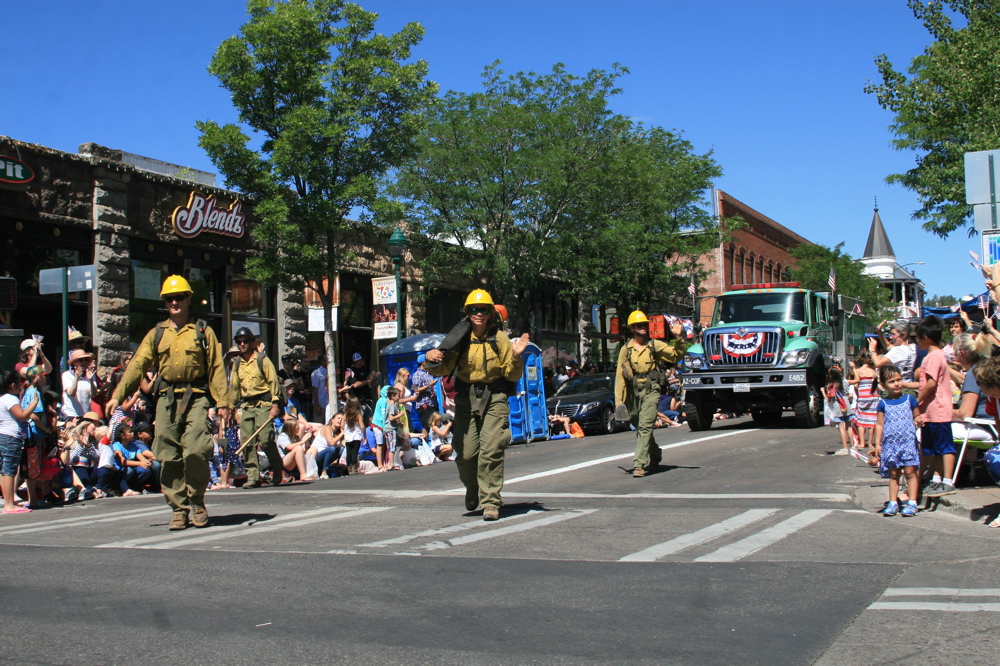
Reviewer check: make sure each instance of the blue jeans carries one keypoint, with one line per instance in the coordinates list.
(11, 449)
(328, 456)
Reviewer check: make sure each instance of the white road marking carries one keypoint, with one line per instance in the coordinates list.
(269, 526)
(450, 529)
(503, 531)
(701, 536)
(81, 521)
(941, 591)
(765, 538)
(279, 521)
(601, 461)
(934, 606)
(409, 494)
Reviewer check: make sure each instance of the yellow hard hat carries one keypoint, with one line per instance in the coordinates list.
(637, 317)
(479, 297)
(175, 284)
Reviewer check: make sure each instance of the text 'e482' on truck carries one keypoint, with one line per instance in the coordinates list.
(767, 349)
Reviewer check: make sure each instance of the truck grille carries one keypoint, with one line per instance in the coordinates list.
(739, 347)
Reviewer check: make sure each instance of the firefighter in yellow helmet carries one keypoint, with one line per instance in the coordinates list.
(186, 357)
(489, 365)
(639, 380)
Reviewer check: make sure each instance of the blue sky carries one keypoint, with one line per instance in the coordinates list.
(772, 87)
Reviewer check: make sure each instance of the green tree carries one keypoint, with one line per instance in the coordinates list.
(812, 269)
(949, 105)
(535, 179)
(334, 107)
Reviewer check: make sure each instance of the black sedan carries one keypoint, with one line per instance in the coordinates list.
(588, 400)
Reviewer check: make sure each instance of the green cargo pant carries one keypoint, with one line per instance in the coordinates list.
(642, 409)
(183, 446)
(253, 416)
(479, 444)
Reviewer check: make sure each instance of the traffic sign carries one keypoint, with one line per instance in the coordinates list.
(79, 278)
(982, 176)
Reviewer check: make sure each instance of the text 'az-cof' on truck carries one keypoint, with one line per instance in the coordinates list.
(767, 349)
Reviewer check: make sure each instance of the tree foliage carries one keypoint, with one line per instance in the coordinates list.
(949, 105)
(535, 178)
(812, 269)
(334, 106)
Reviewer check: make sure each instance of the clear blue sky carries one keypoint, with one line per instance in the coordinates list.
(773, 87)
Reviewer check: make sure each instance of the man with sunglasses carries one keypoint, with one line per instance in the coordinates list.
(488, 366)
(639, 382)
(187, 358)
(254, 387)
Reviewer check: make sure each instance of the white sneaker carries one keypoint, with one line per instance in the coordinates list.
(324, 475)
(841, 452)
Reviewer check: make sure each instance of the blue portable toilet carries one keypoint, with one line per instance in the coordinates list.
(403, 354)
(529, 419)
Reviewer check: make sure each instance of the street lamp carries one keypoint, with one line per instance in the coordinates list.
(397, 245)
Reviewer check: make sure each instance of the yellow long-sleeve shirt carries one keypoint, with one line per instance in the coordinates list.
(480, 364)
(644, 359)
(181, 359)
(247, 380)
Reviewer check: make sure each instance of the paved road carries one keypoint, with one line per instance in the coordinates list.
(750, 545)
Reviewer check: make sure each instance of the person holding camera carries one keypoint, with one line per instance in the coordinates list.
(900, 353)
(32, 355)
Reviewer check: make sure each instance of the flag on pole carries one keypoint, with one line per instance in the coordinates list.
(691, 288)
(832, 280)
(857, 309)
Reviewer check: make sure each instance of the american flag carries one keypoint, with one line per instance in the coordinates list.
(857, 309)
(832, 280)
(691, 288)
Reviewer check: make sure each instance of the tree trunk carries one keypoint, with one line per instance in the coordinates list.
(331, 357)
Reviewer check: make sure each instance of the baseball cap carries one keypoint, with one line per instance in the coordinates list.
(26, 343)
(286, 358)
(421, 357)
(287, 383)
(357, 357)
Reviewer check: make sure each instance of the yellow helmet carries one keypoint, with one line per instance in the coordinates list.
(637, 317)
(175, 284)
(479, 297)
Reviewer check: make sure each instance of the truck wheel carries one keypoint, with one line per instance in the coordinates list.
(765, 417)
(699, 417)
(809, 410)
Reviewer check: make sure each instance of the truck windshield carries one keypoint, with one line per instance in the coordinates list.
(764, 306)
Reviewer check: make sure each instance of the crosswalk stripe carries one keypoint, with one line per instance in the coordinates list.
(80, 521)
(941, 591)
(450, 529)
(173, 536)
(701, 536)
(270, 527)
(765, 538)
(503, 531)
(934, 606)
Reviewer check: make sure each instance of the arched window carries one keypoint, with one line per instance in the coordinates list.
(732, 264)
(750, 264)
(770, 272)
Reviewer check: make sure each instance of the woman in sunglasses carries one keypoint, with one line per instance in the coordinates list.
(489, 365)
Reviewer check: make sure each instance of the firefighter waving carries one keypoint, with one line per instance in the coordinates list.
(638, 382)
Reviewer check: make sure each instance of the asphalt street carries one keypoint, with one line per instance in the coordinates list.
(749, 545)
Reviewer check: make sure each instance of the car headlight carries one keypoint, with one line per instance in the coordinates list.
(694, 362)
(795, 357)
(589, 407)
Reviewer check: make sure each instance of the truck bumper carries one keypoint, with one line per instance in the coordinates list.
(756, 389)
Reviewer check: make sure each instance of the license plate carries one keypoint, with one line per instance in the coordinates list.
(741, 388)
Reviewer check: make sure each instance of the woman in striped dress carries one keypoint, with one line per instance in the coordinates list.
(866, 412)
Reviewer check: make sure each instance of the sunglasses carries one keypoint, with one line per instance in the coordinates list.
(175, 299)
(244, 341)
(479, 310)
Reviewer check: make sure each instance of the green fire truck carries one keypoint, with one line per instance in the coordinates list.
(767, 350)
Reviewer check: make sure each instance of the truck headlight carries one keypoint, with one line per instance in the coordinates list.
(795, 357)
(694, 362)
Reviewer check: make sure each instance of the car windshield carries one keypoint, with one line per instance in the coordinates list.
(585, 384)
(764, 306)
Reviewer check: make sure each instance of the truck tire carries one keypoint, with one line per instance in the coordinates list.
(699, 417)
(763, 417)
(809, 410)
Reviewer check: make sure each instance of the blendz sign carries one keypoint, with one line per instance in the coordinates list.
(15, 172)
(200, 215)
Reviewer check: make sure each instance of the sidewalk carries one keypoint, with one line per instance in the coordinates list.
(975, 502)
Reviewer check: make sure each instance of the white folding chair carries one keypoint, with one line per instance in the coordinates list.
(988, 425)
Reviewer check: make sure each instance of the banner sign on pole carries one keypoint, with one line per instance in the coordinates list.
(385, 308)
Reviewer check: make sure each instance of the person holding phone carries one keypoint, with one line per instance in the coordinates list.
(424, 386)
